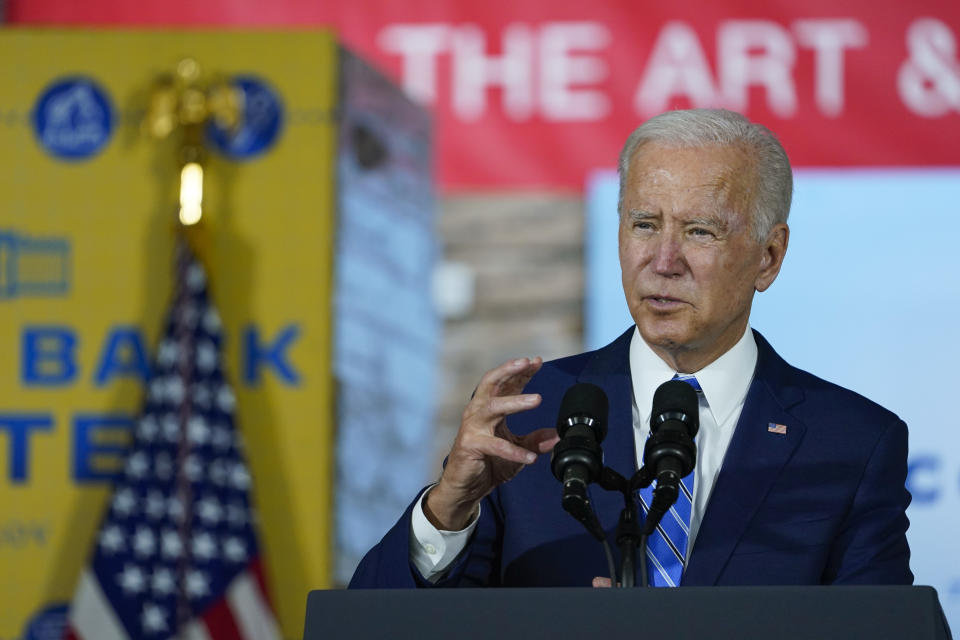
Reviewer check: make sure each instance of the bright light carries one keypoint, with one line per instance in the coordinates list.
(191, 193)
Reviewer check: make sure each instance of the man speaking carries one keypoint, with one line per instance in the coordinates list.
(797, 481)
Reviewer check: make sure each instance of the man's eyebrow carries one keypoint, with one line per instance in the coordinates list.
(709, 220)
(641, 214)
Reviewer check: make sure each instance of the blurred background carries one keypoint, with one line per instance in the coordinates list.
(396, 197)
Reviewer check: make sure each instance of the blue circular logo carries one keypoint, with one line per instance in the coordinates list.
(48, 624)
(259, 125)
(73, 118)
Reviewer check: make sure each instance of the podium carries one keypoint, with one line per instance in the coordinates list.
(714, 613)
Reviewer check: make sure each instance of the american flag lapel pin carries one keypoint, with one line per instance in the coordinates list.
(777, 428)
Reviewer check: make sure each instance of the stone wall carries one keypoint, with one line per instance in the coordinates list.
(526, 253)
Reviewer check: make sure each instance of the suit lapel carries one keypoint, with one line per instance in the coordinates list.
(752, 462)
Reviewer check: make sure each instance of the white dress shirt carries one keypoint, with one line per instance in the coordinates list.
(724, 381)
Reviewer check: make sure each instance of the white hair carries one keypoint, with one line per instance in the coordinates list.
(694, 128)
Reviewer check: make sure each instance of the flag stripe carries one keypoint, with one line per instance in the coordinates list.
(252, 615)
(196, 630)
(221, 623)
(91, 616)
(256, 568)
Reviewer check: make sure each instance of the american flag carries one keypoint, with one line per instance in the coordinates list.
(773, 427)
(176, 555)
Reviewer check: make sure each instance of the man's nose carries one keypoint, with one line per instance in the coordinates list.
(667, 256)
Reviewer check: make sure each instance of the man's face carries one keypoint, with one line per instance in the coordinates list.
(689, 261)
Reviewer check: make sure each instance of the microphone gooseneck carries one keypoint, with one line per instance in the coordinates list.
(670, 451)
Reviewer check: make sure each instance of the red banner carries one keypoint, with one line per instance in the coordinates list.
(535, 93)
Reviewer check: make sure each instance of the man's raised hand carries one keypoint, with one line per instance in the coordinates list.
(485, 454)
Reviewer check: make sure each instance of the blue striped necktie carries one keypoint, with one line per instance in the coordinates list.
(667, 546)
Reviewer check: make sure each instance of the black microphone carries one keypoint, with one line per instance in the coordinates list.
(670, 450)
(577, 458)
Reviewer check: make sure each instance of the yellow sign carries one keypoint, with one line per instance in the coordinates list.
(88, 209)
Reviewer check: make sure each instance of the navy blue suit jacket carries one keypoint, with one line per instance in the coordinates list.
(823, 503)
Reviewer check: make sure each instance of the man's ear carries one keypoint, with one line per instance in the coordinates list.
(774, 250)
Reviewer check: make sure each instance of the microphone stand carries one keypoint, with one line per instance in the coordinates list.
(629, 534)
(576, 502)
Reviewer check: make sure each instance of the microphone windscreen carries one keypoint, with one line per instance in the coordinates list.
(676, 396)
(584, 400)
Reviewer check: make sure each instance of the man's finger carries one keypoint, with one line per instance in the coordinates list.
(495, 377)
(498, 407)
(601, 583)
(515, 383)
(540, 441)
(504, 449)
(515, 372)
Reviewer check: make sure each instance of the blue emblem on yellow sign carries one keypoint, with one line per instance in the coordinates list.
(47, 624)
(32, 266)
(260, 124)
(73, 118)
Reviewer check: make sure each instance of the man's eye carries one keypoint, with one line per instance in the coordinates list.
(701, 232)
(642, 225)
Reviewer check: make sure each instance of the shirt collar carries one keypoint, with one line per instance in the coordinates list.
(724, 381)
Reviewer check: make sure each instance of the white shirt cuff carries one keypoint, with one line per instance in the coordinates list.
(432, 550)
